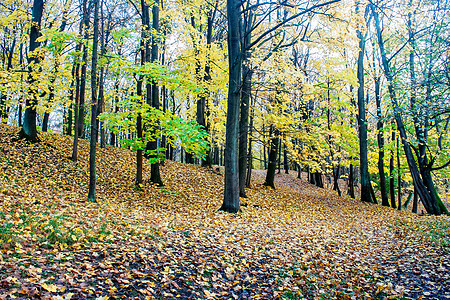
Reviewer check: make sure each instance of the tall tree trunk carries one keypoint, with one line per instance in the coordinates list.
(76, 127)
(243, 122)
(81, 104)
(231, 190)
(380, 139)
(250, 154)
(29, 130)
(139, 127)
(204, 98)
(362, 123)
(245, 101)
(264, 147)
(94, 130)
(155, 175)
(428, 197)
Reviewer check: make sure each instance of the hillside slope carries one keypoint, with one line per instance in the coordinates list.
(172, 242)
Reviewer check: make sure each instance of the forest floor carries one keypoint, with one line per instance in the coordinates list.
(295, 242)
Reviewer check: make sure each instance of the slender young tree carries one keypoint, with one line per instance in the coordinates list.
(94, 129)
(155, 175)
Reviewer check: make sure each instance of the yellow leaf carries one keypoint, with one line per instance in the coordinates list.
(49, 287)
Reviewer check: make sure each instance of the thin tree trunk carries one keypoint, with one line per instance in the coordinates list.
(113, 137)
(286, 162)
(250, 154)
(3, 96)
(155, 175)
(399, 178)
(391, 174)
(279, 156)
(362, 123)
(81, 104)
(247, 73)
(139, 128)
(94, 130)
(380, 139)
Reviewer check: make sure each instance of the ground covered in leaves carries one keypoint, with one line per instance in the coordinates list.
(297, 242)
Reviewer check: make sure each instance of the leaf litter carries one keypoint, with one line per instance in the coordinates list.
(297, 242)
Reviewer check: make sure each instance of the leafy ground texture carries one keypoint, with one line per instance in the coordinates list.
(171, 242)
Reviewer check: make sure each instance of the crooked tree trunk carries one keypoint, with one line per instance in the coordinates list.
(29, 131)
(231, 190)
(428, 197)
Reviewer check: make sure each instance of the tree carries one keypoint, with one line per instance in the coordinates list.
(231, 190)
(362, 122)
(235, 52)
(427, 194)
(94, 124)
(29, 130)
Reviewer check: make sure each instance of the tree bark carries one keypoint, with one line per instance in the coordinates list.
(351, 179)
(362, 124)
(155, 175)
(336, 174)
(274, 136)
(247, 73)
(380, 139)
(391, 174)
(231, 190)
(81, 103)
(94, 130)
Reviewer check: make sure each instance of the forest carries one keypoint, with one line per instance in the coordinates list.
(138, 138)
